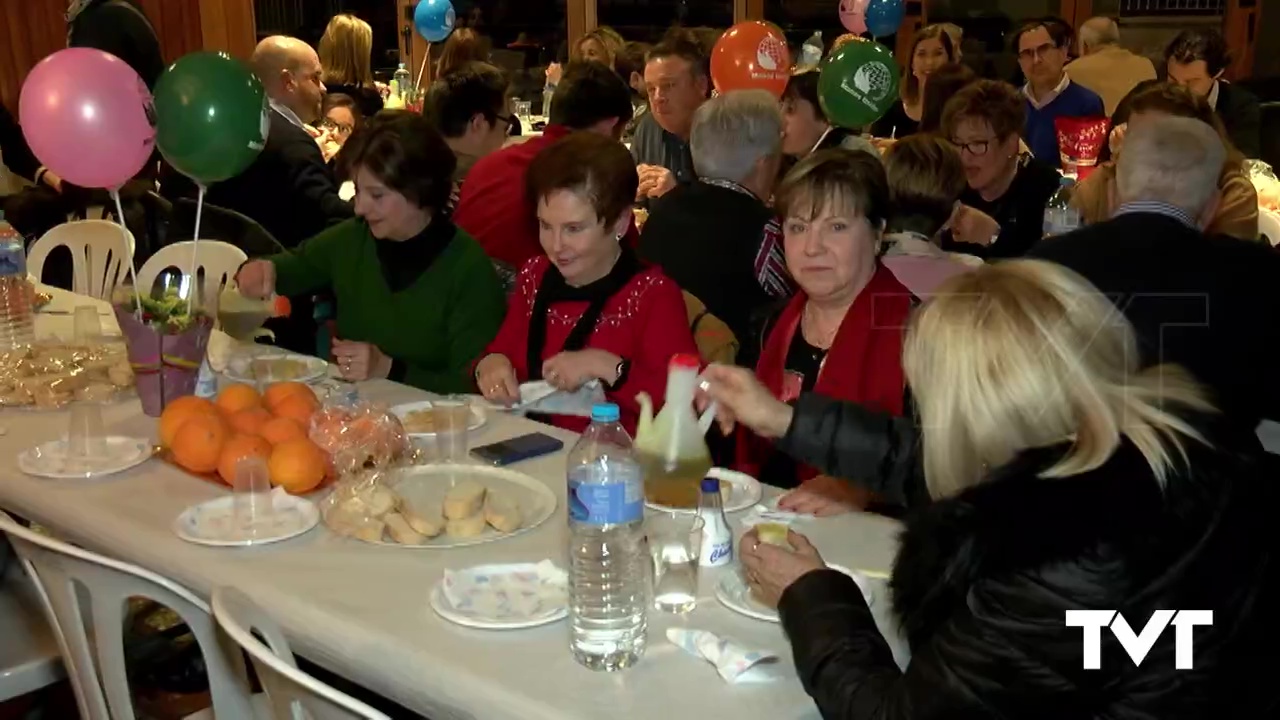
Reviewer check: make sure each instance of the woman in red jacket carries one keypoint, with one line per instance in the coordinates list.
(841, 335)
(588, 310)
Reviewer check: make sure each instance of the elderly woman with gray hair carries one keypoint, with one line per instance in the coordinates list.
(717, 237)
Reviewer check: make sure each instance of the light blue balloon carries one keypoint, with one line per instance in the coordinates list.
(884, 17)
(434, 19)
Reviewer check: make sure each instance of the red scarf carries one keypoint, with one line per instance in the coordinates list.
(864, 364)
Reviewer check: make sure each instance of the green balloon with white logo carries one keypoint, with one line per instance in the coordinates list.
(859, 84)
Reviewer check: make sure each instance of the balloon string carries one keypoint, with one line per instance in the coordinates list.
(195, 252)
(133, 267)
(425, 57)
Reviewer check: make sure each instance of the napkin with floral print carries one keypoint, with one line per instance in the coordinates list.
(734, 663)
(508, 593)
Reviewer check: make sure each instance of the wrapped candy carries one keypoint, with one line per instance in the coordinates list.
(1080, 143)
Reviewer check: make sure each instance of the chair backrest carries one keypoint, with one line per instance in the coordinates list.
(85, 595)
(100, 252)
(216, 265)
(289, 689)
(219, 223)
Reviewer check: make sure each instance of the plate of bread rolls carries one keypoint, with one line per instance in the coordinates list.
(441, 506)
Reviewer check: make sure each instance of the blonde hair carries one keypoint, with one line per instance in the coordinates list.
(1026, 354)
(610, 41)
(346, 51)
(463, 46)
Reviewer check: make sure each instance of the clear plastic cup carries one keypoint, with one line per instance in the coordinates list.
(675, 539)
(87, 325)
(251, 507)
(86, 437)
(451, 415)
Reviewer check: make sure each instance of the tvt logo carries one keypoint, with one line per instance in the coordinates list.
(1138, 645)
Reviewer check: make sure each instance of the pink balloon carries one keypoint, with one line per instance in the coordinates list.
(88, 117)
(853, 14)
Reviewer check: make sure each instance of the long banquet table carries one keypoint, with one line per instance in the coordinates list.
(361, 611)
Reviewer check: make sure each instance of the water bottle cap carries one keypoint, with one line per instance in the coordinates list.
(604, 412)
(1066, 181)
(710, 485)
(686, 362)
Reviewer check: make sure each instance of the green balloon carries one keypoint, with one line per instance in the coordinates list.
(211, 116)
(858, 85)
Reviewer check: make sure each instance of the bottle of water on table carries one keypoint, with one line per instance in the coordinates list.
(17, 311)
(1060, 216)
(402, 83)
(607, 555)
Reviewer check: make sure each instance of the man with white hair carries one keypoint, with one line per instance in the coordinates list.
(716, 237)
(1104, 66)
(288, 189)
(1207, 303)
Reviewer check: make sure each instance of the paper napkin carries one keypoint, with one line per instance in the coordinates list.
(508, 593)
(735, 663)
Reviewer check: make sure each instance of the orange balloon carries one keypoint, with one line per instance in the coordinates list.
(752, 55)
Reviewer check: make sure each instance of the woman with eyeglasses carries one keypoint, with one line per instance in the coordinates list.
(341, 117)
(1003, 213)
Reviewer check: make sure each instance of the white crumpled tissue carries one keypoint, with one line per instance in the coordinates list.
(735, 663)
(506, 593)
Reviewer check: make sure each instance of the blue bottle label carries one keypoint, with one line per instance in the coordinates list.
(13, 260)
(618, 500)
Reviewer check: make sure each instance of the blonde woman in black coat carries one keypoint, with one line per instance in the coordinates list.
(1063, 478)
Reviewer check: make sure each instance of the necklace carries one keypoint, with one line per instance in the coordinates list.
(812, 330)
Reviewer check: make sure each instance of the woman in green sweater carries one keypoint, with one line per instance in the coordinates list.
(417, 297)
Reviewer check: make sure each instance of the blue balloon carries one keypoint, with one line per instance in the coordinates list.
(434, 19)
(884, 17)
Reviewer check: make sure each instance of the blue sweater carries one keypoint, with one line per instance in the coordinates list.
(1040, 134)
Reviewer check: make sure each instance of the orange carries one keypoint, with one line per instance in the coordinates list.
(297, 407)
(238, 448)
(282, 430)
(177, 412)
(276, 393)
(250, 422)
(235, 398)
(298, 466)
(199, 442)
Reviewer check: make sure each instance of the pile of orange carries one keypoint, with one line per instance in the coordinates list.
(213, 437)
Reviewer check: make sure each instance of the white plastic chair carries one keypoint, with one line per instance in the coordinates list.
(216, 265)
(292, 693)
(29, 658)
(100, 258)
(84, 596)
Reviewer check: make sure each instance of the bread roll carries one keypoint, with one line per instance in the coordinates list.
(467, 527)
(423, 526)
(502, 512)
(400, 530)
(464, 500)
(371, 531)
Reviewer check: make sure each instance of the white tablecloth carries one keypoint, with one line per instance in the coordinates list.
(362, 612)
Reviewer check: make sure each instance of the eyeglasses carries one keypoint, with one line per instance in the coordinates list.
(339, 128)
(508, 120)
(977, 148)
(1038, 51)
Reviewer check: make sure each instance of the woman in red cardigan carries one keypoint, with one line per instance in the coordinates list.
(842, 334)
(588, 310)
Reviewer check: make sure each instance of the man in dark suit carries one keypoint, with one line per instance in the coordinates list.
(1197, 60)
(289, 189)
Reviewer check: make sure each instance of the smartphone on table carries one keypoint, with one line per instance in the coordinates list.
(517, 449)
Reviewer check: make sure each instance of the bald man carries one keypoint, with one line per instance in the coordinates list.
(1104, 66)
(290, 71)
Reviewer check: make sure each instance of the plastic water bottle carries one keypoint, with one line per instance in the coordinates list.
(1060, 216)
(17, 312)
(401, 83)
(607, 553)
(717, 536)
(548, 92)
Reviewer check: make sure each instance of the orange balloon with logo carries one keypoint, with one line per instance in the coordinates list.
(752, 55)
